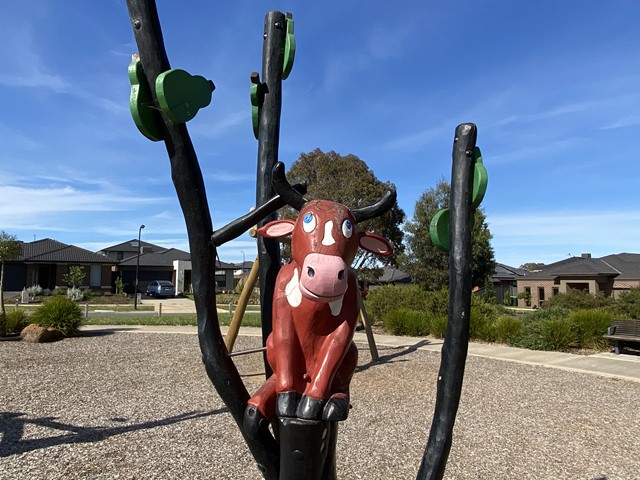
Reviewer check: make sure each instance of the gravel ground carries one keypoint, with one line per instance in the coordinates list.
(139, 406)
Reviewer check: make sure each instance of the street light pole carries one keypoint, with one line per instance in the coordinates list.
(135, 293)
(242, 261)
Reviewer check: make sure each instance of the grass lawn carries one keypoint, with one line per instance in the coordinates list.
(223, 318)
(30, 308)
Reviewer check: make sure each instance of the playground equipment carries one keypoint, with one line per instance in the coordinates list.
(315, 312)
(302, 445)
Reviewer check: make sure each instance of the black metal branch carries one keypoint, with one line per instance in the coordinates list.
(244, 223)
(289, 193)
(456, 342)
(268, 142)
(189, 185)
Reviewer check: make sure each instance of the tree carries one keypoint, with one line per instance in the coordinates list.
(10, 249)
(348, 180)
(427, 264)
(532, 266)
(75, 277)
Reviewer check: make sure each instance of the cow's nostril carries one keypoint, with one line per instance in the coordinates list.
(310, 271)
(341, 275)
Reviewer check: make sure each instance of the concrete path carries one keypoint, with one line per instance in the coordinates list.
(623, 366)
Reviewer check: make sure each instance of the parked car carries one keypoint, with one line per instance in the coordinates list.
(161, 288)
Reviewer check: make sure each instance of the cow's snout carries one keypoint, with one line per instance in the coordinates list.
(324, 277)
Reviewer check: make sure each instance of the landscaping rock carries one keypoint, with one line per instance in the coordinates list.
(35, 333)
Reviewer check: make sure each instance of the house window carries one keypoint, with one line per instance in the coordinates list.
(527, 298)
(556, 291)
(540, 296)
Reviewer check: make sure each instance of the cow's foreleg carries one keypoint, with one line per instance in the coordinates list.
(337, 407)
(260, 408)
(332, 353)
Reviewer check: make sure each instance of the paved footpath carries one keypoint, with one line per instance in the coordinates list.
(623, 366)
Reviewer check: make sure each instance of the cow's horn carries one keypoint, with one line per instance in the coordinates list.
(285, 190)
(377, 209)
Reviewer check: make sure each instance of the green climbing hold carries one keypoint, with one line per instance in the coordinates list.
(480, 179)
(144, 114)
(439, 226)
(289, 48)
(439, 229)
(181, 95)
(257, 97)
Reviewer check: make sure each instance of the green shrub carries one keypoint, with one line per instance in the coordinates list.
(556, 334)
(437, 302)
(508, 328)
(578, 300)
(481, 326)
(17, 320)
(547, 314)
(403, 321)
(590, 326)
(439, 325)
(232, 298)
(59, 313)
(490, 310)
(533, 336)
(380, 301)
(628, 305)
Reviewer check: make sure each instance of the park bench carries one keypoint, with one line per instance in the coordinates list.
(622, 332)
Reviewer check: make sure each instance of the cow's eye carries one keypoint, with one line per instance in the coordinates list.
(347, 228)
(308, 222)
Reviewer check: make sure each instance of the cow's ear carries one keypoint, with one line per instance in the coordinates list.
(375, 244)
(277, 228)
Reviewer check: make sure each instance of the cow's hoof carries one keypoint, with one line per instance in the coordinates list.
(286, 404)
(336, 410)
(310, 408)
(253, 421)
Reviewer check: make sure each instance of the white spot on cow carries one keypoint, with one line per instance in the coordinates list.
(292, 290)
(336, 306)
(328, 236)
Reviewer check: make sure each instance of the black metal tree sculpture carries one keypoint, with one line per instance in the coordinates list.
(162, 100)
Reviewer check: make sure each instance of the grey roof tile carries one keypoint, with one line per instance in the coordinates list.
(48, 250)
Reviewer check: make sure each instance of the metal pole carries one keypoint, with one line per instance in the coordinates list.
(135, 293)
(268, 139)
(189, 184)
(456, 341)
(236, 320)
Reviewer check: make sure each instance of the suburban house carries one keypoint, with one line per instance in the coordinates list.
(45, 262)
(393, 276)
(159, 263)
(609, 276)
(504, 280)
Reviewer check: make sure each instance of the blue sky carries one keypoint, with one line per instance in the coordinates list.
(552, 86)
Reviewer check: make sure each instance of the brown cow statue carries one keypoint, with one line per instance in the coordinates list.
(315, 309)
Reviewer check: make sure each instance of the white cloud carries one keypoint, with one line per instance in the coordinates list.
(25, 203)
(415, 141)
(222, 126)
(230, 177)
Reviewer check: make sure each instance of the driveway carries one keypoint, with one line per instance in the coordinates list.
(170, 305)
